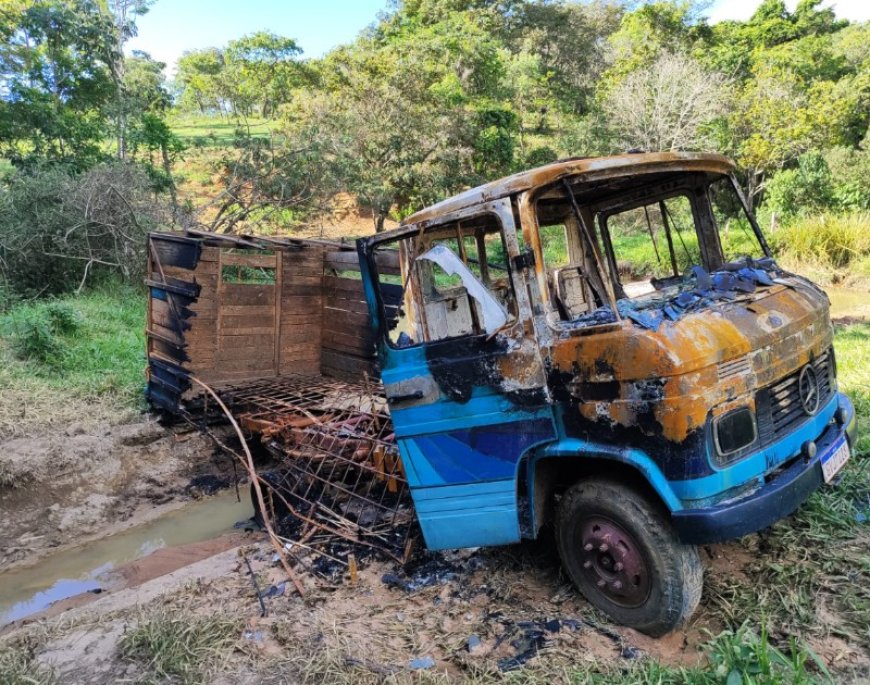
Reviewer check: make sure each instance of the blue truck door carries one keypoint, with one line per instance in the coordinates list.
(462, 371)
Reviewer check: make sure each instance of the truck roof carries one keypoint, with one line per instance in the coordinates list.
(596, 168)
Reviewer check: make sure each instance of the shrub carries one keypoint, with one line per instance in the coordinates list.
(63, 316)
(827, 240)
(808, 188)
(34, 339)
(59, 231)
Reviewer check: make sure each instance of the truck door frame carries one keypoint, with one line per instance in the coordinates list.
(464, 452)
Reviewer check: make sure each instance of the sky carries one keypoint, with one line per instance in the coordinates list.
(173, 26)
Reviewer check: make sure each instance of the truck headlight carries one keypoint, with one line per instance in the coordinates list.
(733, 432)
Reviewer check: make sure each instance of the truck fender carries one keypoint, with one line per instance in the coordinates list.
(556, 466)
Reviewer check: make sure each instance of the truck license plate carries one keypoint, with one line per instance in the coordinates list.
(834, 460)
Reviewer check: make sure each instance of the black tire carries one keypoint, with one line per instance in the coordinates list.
(622, 553)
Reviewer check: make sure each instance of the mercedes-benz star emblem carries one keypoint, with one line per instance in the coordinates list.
(808, 388)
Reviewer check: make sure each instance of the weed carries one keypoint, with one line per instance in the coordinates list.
(172, 645)
(64, 318)
(838, 245)
(18, 666)
(33, 337)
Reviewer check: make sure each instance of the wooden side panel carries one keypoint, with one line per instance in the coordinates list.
(348, 339)
(299, 323)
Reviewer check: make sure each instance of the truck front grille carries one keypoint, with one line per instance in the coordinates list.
(778, 406)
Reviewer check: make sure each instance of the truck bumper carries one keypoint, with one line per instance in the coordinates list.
(774, 500)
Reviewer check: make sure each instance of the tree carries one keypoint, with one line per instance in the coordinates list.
(776, 118)
(666, 26)
(199, 74)
(264, 68)
(669, 105)
(124, 13)
(56, 81)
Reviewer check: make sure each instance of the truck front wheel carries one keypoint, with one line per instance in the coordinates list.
(622, 553)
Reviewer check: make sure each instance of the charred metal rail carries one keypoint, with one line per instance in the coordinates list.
(338, 489)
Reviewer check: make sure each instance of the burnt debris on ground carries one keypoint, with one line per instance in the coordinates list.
(335, 492)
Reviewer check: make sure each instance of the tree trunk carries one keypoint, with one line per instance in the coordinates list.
(167, 168)
(379, 222)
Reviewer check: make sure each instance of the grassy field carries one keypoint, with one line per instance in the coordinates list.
(76, 358)
(208, 131)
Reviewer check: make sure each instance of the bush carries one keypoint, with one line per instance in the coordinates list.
(59, 231)
(850, 172)
(63, 316)
(33, 338)
(35, 331)
(804, 190)
(828, 240)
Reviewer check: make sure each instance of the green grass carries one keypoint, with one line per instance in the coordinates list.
(172, 646)
(76, 356)
(213, 131)
(18, 666)
(828, 247)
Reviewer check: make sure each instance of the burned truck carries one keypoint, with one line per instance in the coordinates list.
(599, 350)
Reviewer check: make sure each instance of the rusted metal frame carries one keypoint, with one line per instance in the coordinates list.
(745, 205)
(651, 234)
(610, 255)
(593, 250)
(501, 209)
(667, 220)
(380, 422)
(589, 169)
(255, 478)
(504, 211)
(330, 529)
(482, 257)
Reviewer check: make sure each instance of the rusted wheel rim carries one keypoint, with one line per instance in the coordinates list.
(613, 562)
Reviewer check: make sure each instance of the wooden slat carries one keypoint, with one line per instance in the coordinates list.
(236, 293)
(210, 254)
(388, 262)
(351, 306)
(346, 318)
(359, 348)
(256, 261)
(265, 310)
(345, 362)
(239, 327)
(302, 291)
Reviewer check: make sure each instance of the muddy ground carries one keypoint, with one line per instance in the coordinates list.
(69, 485)
(487, 611)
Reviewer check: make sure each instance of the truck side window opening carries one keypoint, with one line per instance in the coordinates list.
(651, 243)
(456, 283)
(735, 231)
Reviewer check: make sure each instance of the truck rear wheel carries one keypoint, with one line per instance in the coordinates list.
(622, 553)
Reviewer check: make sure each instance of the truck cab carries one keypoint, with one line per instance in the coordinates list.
(605, 348)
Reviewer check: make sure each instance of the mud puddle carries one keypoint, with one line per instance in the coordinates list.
(90, 568)
(849, 303)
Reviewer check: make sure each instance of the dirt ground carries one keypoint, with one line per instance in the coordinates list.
(71, 485)
(488, 610)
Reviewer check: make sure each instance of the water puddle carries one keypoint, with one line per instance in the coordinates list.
(89, 568)
(853, 303)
